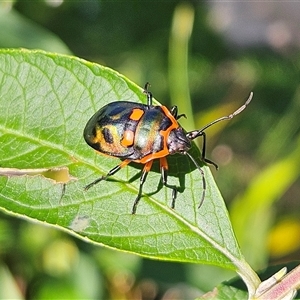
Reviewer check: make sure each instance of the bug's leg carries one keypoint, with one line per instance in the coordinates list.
(202, 175)
(174, 112)
(180, 116)
(143, 177)
(164, 176)
(203, 152)
(110, 173)
(197, 133)
(148, 94)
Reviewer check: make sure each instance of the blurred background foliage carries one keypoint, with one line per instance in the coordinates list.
(206, 57)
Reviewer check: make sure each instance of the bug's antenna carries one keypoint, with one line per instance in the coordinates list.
(229, 117)
(201, 132)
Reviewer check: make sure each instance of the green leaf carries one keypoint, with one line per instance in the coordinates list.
(18, 31)
(45, 101)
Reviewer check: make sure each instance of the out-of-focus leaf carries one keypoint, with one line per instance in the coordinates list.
(17, 31)
(251, 212)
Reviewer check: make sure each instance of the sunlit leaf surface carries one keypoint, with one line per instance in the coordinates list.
(45, 102)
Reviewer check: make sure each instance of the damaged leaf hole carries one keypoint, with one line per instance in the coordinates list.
(58, 175)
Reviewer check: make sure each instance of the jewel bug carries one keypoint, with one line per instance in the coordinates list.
(141, 133)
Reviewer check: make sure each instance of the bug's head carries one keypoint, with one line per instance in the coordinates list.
(178, 142)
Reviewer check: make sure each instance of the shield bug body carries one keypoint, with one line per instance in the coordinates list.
(141, 133)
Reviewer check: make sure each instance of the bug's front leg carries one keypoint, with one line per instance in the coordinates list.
(197, 133)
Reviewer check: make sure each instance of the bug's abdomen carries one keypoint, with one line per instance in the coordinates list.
(105, 130)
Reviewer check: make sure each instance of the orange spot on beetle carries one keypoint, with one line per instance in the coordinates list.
(128, 138)
(136, 114)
